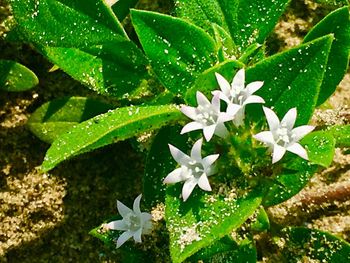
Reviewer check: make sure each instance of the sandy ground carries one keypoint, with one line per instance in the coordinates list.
(47, 217)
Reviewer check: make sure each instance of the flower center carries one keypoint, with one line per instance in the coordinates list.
(238, 96)
(283, 135)
(132, 221)
(207, 116)
(197, 169)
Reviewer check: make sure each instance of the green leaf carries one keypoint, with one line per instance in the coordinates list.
(227, 250)
(315, 244)
(261, 222)
(58, 116)
(160, 163)
(248, 21)
(66, 23)
(206, 82)
(291, 79)
(122, 8)
(114, 126)
(337, 23)
(320, 147)
(289, 181)
(178, 51)
(225, 45)
(341, 134)
(16, 77)
(203, 219)
(114, 68)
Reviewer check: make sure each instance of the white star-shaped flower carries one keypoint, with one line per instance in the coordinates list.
(134, 222)
(193, 169)
(282, 137)
(207, 116)
(237, 94)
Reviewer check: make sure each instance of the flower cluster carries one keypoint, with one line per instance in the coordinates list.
(194, 169)
(207, 116)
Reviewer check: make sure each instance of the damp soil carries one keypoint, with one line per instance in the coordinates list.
(47, 217)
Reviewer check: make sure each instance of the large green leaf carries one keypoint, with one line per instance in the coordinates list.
(116, 125)
(58, 116)
(315, 244)
(227, 250)
(160, 163)
(114, 68)
(292, 79)
(66, 23)
(178, 51)
(85, 39)
(320, 147)
(337, 23)
(203, 219)
(341, 134)
(248, 21)
(287, 183)
(16, 77)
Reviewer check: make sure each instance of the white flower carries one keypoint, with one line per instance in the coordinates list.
(282, 137)
(111, 2)
(134, 222)
(207, 116)
(193, 170)
(237, 94)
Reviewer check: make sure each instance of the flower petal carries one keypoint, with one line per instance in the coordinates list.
(187, 188)
(289, 119)
(209, 160)
(238, 119)
(298, 150)
(254, 86)
(232, 109)
(196, 151)
(301, 131)
(203, 183)
(117, 225)
(278, 152)
(272, 119)
(146, 223)
(192, 126)
(179, 156)
(174, 177)
(190, 112)
(136, 205)
(123, 209)
(137, 235)
(123, 238)
(215, 102)
(209, 131)
(221, 130)
(238, 80)
(202, 99)
(265, 137)
(253, 99)
(223, 83)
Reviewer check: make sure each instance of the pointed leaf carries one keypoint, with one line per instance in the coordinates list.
(122, 8)
(203, 219)
(248, 21)
(315, 244)
(178, 51)
(66, 23)
(289, 181)
(114, 68)
(60, 115)
(114, 126)
(341, 134)
(16, 77)
(320, 147)
(337, 23)
(291, 79)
